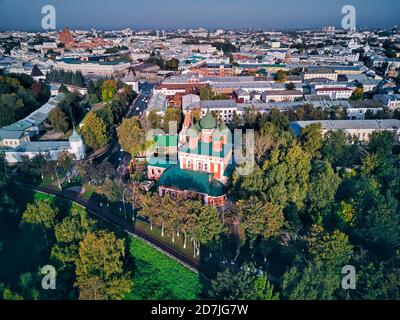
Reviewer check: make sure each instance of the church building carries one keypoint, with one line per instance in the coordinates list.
(204, 162)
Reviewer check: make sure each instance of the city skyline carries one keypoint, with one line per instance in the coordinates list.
(178, 14)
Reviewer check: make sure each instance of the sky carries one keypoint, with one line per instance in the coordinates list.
(211, 14)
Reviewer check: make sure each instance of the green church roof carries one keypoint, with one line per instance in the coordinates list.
(208, 121)
(75, 137)
(223, 126)
(193, 131)
(175, 177)
(197, 126)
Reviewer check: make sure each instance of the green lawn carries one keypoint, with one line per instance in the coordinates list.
(156, 276)
(159, 277)
(156, 233)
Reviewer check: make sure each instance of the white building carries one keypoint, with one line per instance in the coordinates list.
(354, 129)
(392, 101)
(335, 93)
(281, 95)
(51, 149)
(93, 68)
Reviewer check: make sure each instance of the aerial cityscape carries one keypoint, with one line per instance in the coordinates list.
(158, 157)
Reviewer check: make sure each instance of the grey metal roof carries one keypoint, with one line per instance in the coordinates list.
(218, 104)
(384, 124)
(20, 125)
(42, 146)
(158, 102)
(239, 85)
(8, 134)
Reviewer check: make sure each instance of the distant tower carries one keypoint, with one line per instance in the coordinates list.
(66, 37)
(288, 57)
(77, 145)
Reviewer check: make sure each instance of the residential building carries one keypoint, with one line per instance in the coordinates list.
(392, 101)
(359, 130)
(94, 68)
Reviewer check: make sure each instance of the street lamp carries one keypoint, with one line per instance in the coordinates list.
(123, 201)
(58, 179)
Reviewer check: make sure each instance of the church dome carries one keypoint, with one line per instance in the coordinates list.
(75, 137)
(193, 132)
(208, 121)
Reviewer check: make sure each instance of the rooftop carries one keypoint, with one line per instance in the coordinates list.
(6, 134)
(107, 63)
(41, 146)
(201, 182)
(386, 124)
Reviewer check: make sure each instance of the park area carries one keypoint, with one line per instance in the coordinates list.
(25, 249)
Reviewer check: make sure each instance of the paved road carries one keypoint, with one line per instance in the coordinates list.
(115, 155)
(103, 214)
(114, 150)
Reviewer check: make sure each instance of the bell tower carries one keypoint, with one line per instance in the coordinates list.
(77, 145)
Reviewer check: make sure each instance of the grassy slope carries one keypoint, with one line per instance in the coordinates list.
(159, 277)
(156, 276)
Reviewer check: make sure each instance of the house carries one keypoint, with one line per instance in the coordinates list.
(242, 96)
(12, 138)
(223, 109)
(147, 71)
(37, 74)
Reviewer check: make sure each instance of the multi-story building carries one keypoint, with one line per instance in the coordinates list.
(354, 129)
(17, 144)
(94, 68)
(335, 93)
(392, 101)
(320, 73)
(281, 95)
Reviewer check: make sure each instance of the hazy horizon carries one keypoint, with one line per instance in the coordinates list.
(24, 15)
